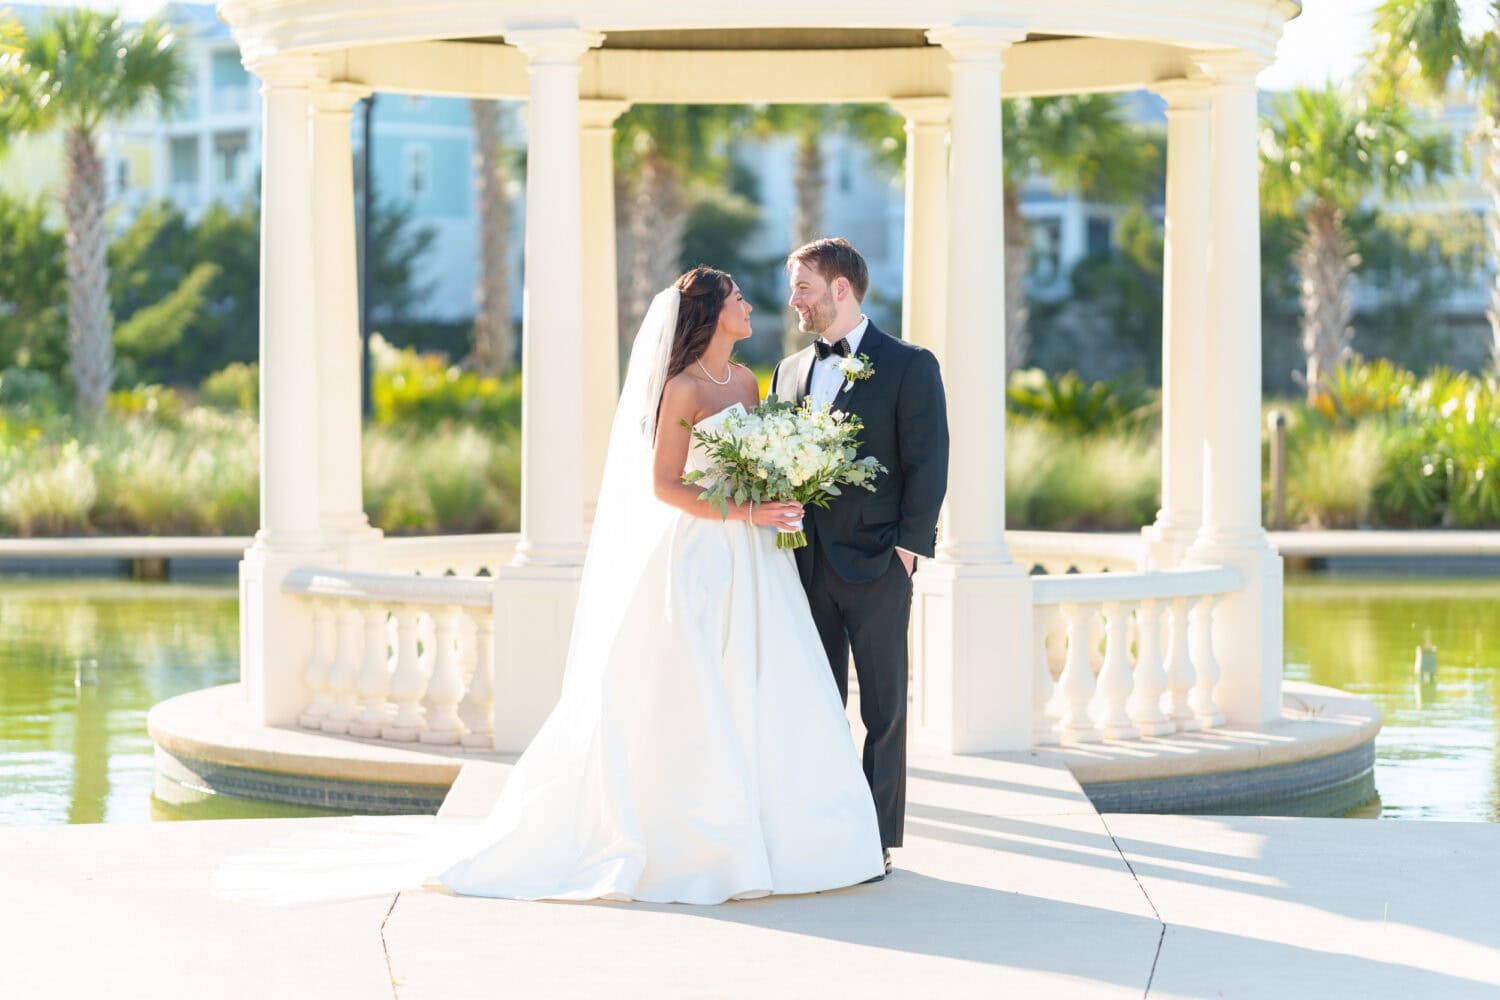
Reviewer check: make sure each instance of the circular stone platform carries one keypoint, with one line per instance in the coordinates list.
(1318, 759)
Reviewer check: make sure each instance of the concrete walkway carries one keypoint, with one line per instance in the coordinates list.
(1010, 885)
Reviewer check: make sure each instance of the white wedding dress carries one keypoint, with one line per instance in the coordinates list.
(698, 751)
(716, 762)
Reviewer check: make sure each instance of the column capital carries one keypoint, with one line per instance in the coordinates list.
(600, 112)
(289, 70)
(553, 45)
(337, 97)
(1184, 93)
(977, 41)
(1232, 67)
(923, 110)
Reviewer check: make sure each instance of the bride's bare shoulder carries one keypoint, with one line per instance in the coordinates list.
(680, 393)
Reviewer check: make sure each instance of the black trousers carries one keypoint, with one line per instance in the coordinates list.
(870, 619)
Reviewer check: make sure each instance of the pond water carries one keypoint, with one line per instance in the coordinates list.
(83, 660)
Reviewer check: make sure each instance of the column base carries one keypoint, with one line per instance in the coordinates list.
(276, 632)
(534, 606)
(549, 554)
(971, 657)
(1165, 545)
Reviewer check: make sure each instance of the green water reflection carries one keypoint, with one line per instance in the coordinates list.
(82, 661)
(1436, 757)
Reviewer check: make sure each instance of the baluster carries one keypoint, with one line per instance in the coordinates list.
(1076, 687)
(1096, 641)
(1113, 686)
(1042, 688)
(341, 675)
(1150, 677)
(1180, 671)
(1201, 697)
(373, 683)
(446, 685)
(407, 680)
(319, 663)
(477, 710)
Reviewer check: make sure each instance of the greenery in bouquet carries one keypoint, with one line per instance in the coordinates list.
(780, 452)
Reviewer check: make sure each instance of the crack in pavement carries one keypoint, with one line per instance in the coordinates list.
(1161, 938)
(386, 948)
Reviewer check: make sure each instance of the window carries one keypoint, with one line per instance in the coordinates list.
(122, 175)
(184, 156)
(229, 158)
(416, 171)
(1099, 236)
(1046, 249)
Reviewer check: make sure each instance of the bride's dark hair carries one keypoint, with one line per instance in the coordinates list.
(704, 291)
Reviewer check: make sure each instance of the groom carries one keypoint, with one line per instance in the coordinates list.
(863, 549)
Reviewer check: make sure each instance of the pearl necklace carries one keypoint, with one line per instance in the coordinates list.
(728, 373)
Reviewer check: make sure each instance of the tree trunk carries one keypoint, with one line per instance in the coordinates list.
(89, 344)
(1492, 227)
(658, 219)
(807, 219)
(1325, 263)
(494, 340)
(1017, 261)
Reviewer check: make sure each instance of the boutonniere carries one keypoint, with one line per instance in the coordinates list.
(855, 369)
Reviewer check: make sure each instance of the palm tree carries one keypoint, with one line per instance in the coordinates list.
(1422, 45)
(83, 69)
(1323, 150)
(660, 150)
(1083, 143)
(494, 338)
(875, 126)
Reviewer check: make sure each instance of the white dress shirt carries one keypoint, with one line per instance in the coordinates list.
(826, 377)
(827, 380)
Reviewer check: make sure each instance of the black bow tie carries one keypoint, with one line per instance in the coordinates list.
(841, 348)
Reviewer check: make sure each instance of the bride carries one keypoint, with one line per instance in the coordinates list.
(699, 751)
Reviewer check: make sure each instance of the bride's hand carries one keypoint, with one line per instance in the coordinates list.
(776, 515)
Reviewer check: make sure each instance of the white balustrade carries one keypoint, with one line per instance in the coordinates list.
(392, 656)
(1135, 694)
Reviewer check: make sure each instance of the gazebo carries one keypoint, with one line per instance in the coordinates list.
(404, 640)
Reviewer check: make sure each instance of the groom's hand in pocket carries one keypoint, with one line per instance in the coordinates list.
(908, 560)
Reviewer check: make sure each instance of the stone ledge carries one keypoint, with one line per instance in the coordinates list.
(207, 743)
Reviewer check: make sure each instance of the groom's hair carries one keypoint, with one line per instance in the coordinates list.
(834, 258)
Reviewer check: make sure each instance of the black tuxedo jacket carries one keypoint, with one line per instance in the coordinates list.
(905, 420)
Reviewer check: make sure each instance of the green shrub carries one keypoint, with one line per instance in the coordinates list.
(235, 387)
(48, 490)
(1331, 480)
(424, 390)
(1069, 403)
(154, 402)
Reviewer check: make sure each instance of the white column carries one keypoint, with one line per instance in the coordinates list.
(972, 616)
(276, 631)
(535, 596)
(1247, 626)
(552, 311)
(924, 299)
(1184, 323)
(341, 513)
(601, 323)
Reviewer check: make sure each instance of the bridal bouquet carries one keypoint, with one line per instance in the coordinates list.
(780, 452)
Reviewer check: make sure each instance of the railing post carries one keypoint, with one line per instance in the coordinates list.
(1150, 679)
(1206, 665)
(345, 667)
(1076, 685)
(445, 687)
(373, 683)
(319, 665)
(407, 680)
(477, 709)
(1113, 687)
(1180, 671)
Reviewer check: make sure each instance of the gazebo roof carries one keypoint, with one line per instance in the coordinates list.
(729, 50)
